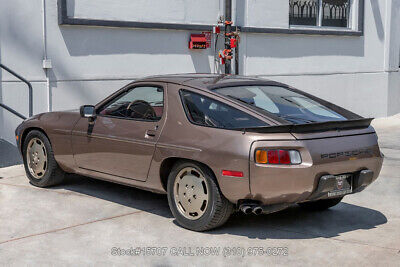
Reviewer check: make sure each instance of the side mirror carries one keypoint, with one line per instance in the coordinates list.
(88, 111)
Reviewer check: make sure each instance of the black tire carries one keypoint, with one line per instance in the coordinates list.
(218, 210)
(53, 175)
(320, 205)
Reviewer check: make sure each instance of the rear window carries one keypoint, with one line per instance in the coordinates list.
(206, 111)
(286, 104)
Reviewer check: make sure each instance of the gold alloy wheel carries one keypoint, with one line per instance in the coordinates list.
(36, 158)
(191, 193)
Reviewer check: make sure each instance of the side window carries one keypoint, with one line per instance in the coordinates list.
(205, 111)
(142, 103)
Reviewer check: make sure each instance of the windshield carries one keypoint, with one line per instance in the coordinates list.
(286, 104)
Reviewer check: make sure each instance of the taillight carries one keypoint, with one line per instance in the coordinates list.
(278, 156)
(273, 157)
(284, 157)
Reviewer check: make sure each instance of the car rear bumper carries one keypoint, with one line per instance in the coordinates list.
(327, 184)
(313, 182)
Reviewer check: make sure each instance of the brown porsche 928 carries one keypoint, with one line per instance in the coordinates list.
(213, 143)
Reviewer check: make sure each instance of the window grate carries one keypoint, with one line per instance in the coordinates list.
(321, 13)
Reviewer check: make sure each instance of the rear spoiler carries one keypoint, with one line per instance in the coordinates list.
(313, 127)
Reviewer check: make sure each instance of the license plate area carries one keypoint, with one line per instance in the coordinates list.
(342, 185)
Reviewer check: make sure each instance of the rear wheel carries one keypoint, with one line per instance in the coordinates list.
(322, 204)
(40, 166)
(195, 199)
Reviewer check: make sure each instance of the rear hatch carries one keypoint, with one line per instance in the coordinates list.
(334, 140)
(341, 144)
(336, 146)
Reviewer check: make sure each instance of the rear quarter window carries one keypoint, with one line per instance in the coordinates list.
(205, 111)
(286, 104)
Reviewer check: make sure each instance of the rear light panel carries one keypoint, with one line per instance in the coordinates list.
(278, 156)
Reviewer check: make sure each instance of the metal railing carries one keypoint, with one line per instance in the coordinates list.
(303, 9)
(30, 91)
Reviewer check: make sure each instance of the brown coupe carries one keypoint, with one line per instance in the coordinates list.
(213, 143)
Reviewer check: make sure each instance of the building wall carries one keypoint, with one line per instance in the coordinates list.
(21, 49)
(357, 72)
(265, 13)
(168, 11)
(348, 70)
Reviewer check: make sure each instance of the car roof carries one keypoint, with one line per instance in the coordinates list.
(209, 81)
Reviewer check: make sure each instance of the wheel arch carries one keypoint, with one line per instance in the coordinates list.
(27, 131)
(168, 163)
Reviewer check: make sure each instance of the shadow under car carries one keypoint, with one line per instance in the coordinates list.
(291, 223)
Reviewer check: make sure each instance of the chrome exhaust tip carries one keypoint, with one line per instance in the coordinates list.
(257, 210)
(246, 209)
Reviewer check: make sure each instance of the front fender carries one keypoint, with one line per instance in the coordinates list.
(57, 126)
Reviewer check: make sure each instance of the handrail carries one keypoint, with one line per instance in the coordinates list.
(29, 89)
(13, 111)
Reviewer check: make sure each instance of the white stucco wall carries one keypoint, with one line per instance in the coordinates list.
(266, 13)
(392, 52)
(355, 72)
(359, 73)
(309, 54)
(21, 49)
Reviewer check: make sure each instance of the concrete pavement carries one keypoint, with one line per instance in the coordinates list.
(86, 221)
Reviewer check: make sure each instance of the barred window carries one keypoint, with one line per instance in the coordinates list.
(321, 13)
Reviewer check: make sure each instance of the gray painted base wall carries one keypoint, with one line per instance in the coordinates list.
(393, 93)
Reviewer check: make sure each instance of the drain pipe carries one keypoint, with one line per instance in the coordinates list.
(46, 62)
(228, 34)
(237, 55)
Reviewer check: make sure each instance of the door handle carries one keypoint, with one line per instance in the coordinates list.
(150, 133)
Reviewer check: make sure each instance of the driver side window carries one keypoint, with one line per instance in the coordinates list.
(140, 103)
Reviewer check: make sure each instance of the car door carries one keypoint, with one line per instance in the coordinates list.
(122, 138)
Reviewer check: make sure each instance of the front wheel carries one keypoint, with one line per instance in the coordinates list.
(322, 204)
(40, 165)
(195, 199)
